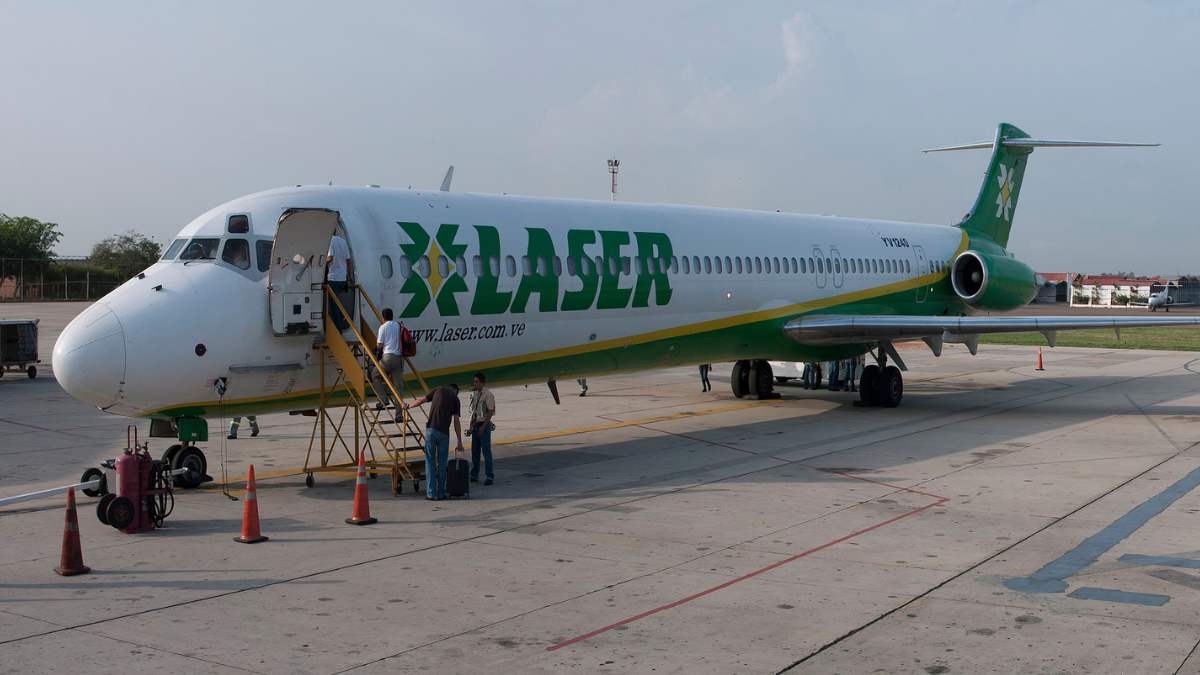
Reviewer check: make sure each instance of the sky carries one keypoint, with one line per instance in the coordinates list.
(143, 115)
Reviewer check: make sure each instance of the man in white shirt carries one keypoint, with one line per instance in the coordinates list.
(392, 362)
(339, 273)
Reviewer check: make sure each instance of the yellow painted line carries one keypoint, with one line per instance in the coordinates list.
(549, 434)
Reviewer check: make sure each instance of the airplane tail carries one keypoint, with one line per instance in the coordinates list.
(992, 214)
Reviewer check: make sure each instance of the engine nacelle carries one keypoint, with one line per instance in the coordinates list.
(990, 282)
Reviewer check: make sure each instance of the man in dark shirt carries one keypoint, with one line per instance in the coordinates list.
(444, 408)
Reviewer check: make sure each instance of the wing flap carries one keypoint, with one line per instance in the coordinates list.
(835, 330)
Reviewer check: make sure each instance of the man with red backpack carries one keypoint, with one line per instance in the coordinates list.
(391, 361)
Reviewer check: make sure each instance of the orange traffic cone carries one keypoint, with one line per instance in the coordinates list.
(71, 562)
(250, 532)
(362, 508)
(1040, 359)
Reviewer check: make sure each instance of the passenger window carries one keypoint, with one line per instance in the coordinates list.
(494, 265)
(599, 266)
(718, 265)
(443, 266)
(477, 265)
(687, 267)
(239, 224)
(612, 267)
(570, 266)
(907, 267)
(758, 265)
(803, 267)
(405, 267)
(585, 266)
(385, 266)
(237, 253)
(811, 266)
(526, 266)
(728, 265)
(775, 264)
(820, 266)
(263, 248)
(201, 249)
(674, 265)
(510, 263)
(738, 262)
(696, 263)
(626, 267)
(460, 266)
(173, 249)
(637, 264)
(423, 267)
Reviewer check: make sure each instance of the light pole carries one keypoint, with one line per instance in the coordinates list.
(613, 165)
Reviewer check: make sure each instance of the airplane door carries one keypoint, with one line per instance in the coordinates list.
(839, 267)
(820, 274)
(298, 270)
(923, 270)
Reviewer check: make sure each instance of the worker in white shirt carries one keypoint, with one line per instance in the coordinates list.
(391, 362)
(339, 274)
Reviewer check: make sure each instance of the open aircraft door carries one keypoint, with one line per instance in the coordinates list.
(298, 270)
(923, 270)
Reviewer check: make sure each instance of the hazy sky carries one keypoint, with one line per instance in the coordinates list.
(144, 115)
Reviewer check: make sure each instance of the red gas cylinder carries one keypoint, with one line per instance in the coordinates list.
(125, 511)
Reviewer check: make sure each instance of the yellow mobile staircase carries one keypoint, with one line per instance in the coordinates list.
(391, 441)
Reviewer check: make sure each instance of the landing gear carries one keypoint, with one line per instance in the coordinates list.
(868, 386)
(880, 384)
(189, 457)
(754, 378)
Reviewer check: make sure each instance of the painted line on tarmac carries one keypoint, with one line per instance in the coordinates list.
(1049, 579)
(1161, 561)
(1107, 595)
(550, 434)
(938, 502)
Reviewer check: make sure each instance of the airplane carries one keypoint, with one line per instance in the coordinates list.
(1161, 299)
(531, 289)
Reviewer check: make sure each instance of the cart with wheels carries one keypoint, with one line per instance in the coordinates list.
(19, 346)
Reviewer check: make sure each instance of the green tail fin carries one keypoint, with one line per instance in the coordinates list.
(992, 214)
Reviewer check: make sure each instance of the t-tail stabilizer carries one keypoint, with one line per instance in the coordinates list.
(991, 217)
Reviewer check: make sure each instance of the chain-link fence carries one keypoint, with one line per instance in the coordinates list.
(62, 278)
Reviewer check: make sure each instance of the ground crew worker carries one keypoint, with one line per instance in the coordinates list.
(483, 407)
(391, 362)
(233, 426)
(806, 376)
(444, 408)
(833, 375)
(339, 273)
(851, 371)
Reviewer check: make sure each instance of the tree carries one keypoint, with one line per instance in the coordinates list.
(127, 254)
(27, 238)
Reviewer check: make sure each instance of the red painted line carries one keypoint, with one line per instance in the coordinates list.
(768, 568)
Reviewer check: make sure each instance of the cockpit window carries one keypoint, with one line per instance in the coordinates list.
(173, 249)
(263, 248)
(237, 253)
(239, 224)
(201, 248)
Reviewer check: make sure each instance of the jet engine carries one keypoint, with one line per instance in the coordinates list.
(992, 282)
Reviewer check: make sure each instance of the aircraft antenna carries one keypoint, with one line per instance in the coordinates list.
(613, 165)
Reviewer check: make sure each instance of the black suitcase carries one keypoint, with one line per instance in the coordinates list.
(458, 477)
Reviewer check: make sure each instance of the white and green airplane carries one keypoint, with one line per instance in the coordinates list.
(529, 289)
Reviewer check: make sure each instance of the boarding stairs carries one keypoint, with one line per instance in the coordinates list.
(391, 440)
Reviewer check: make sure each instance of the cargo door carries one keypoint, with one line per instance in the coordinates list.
(923, 271)
(298, 271)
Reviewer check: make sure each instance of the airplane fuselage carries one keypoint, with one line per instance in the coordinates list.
(499, 284)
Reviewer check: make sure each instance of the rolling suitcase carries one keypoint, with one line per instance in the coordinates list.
(458, 477)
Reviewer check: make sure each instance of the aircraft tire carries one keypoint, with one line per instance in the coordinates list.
(762, 380)
(891, 387)
(739, 381)
(868, 386)
(168, 456)
(192, 459)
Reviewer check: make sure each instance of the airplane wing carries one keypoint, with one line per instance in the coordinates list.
(934, 330)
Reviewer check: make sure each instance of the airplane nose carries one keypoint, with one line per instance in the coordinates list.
(89, 357)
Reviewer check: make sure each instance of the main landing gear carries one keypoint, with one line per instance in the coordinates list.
(753, 378)
(881, 384)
